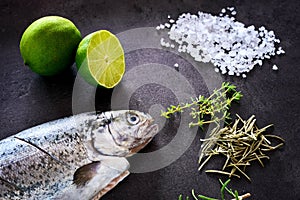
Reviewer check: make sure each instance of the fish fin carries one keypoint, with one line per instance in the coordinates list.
(95, 179)
(111, 185)
(85, 173)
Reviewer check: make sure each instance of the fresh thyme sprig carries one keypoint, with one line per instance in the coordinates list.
(224, 188)
(213, 109)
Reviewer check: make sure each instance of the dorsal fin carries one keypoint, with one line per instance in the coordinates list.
(85, 173)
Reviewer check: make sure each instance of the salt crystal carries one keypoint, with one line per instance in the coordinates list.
(233, 12)
(169, 16)
(171, 21)
(217, 70)
(161, 26)
(280, 51)
(275, 67)
(244, 75)
(176, 65)
(277, 40)
(162, 43)
(262, 28)
(261, 34)
(223, 10)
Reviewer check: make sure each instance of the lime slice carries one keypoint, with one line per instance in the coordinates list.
(100, 59)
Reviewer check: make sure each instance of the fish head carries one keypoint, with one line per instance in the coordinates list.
(128, 131)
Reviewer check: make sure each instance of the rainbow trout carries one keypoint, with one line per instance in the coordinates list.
(79, 157)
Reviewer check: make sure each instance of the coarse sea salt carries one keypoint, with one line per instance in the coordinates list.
(229, 45)
(275, 67)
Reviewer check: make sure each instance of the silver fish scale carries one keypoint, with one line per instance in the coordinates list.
(72, 158)
(34, 169)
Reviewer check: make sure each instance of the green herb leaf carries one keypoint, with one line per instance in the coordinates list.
(223, 189)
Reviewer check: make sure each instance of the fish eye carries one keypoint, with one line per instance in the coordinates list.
(133, 119)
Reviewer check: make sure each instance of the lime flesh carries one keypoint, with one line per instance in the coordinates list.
(100, 59)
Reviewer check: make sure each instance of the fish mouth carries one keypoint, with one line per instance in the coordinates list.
(152, 130)
(139, 147)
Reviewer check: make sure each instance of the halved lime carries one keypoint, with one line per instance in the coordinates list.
(100, 59)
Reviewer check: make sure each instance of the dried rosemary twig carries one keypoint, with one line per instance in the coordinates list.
(222, 191)
(241, 143)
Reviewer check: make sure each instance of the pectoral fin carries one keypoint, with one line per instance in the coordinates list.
(85, 173)
(111, 185)
(95, 179)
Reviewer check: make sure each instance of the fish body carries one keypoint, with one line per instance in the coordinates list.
(79, 157)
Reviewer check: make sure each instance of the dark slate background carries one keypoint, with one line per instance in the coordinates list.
(28, 99)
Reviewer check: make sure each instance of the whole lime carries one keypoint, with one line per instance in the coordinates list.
(48, 45)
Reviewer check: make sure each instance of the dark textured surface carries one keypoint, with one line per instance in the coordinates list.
(28, 99)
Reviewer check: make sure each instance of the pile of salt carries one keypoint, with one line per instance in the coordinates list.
(231, 47)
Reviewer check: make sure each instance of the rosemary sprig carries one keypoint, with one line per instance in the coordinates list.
(222, 191)
(241, 144)
(213, 109)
